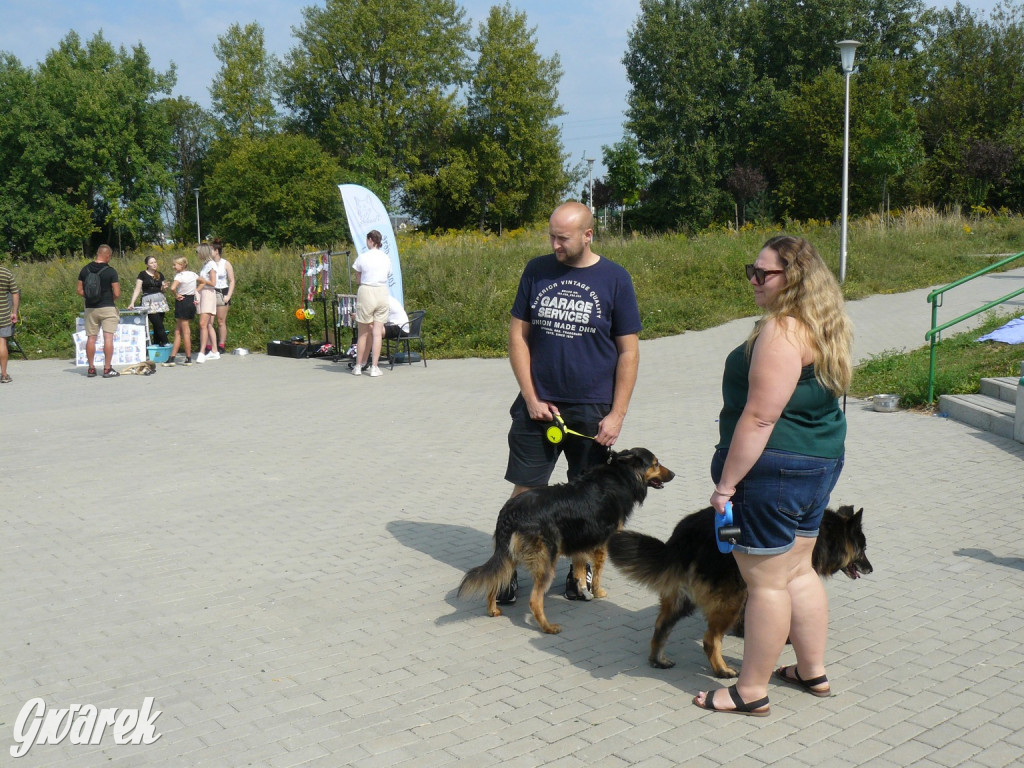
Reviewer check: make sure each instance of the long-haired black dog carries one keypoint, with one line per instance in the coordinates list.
(573, 519)
(689, 572)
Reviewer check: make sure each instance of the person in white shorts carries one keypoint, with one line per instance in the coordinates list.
(207, 284)
(372, 269)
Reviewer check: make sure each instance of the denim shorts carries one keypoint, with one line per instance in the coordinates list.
(532, 457)
(783, 496)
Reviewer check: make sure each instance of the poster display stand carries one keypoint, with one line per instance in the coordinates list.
(130, 340)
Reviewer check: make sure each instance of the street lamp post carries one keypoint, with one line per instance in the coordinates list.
(199, 237)
(590, 171)
(847, 51)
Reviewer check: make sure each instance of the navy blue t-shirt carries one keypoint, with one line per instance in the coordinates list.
(575, 315)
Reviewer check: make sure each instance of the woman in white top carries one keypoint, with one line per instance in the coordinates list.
(372, 270)
(184, 290)
(225, 290)
(207, 282)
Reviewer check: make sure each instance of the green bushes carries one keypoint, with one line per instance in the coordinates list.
(466, 281)
(961, 363)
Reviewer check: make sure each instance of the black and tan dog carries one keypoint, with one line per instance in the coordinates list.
(573, 519)
(689, 572)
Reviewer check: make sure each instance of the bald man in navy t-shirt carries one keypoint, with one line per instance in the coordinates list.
(574, 347)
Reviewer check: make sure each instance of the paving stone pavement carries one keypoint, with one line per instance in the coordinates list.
(270, 549)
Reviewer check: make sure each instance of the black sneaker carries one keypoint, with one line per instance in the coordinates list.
(572, 590)
(508, 595)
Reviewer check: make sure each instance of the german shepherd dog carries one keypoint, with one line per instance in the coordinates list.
(689, 572)
(573, 519)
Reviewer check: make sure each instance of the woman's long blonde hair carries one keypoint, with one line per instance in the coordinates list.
(812, 296)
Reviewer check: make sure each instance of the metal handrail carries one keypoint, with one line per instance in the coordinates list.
(934, 298)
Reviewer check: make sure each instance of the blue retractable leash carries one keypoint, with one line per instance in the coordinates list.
(557, 431)
(726, 533)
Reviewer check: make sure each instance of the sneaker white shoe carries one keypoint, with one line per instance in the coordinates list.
(357, 370)
(374, 370)
(201, 358)
(213, 355)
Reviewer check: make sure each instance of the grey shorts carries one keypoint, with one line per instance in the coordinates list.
(6, 331)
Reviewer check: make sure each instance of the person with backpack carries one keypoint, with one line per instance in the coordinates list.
(99, 286)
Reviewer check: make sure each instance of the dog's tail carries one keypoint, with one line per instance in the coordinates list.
(495, 574)
(644, 559)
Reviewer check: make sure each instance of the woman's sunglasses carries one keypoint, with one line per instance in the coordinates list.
(759, 274)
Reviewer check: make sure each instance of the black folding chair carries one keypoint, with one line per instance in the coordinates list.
(14, 346)
(404, 339)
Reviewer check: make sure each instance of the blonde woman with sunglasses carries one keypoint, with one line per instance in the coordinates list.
(780, 453)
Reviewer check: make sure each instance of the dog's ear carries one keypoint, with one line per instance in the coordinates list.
(858, 516)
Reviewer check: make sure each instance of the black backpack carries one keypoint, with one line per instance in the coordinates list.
(92, 287)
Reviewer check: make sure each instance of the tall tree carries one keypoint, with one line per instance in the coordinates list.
(25, 196)
(690, 93)
(242, 90)
(789, 43)
(496, 162)
(974, 92)
(275, 190)
(367, 78)
(718, 83)
(512, 101)
(888, 150)
(192, 132)
(91, 156)
(628, 175)
(802, 142)
(746, 183)
(440, 191)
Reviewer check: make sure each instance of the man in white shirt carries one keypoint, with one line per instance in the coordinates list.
(397, 322)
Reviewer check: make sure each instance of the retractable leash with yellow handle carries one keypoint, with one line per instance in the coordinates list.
(557, 431)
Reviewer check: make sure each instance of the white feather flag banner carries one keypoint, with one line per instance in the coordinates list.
(365, 212)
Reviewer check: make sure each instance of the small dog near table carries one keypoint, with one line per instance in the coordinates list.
(573, 519)
(145, 368)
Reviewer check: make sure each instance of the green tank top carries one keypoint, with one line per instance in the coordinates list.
(811, 424)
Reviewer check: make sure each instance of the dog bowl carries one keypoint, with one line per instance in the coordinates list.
(886, 403)
(158, 353)
(240, 351)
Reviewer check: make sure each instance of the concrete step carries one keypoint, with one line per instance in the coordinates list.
(1004, 388)
(987, 413)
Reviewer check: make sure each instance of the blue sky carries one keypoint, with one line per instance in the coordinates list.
(589, 37)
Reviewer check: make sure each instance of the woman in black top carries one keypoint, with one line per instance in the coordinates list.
(151, 284)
